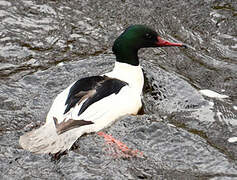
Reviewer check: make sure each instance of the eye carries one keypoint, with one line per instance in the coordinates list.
(148, 36)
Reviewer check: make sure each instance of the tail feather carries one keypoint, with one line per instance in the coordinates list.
(46, 140)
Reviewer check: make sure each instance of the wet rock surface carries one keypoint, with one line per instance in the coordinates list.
(47, 45)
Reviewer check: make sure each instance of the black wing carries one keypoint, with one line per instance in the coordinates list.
(93, 89)
(108, 87)
(79, 89)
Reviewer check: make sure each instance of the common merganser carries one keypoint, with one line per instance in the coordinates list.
(93, 103)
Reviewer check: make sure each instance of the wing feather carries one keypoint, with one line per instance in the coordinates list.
(80, 88)
(108, 87)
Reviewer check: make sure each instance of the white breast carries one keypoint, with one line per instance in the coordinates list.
(133, 75)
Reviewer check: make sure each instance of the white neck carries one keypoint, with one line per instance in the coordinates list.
(133, 75)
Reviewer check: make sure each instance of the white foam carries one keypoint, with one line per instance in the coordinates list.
(212, 94)
(211, 104)
(60, 64)
(232, 139)
(171, 125)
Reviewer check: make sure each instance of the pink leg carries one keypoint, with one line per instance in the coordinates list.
(124, 150)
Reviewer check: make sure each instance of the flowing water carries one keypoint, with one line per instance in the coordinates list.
(183, 134)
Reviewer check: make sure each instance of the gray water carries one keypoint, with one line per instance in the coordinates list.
(46, 45)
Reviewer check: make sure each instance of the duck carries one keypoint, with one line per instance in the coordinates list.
(93, 103)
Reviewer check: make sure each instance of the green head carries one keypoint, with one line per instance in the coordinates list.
(132, 39)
